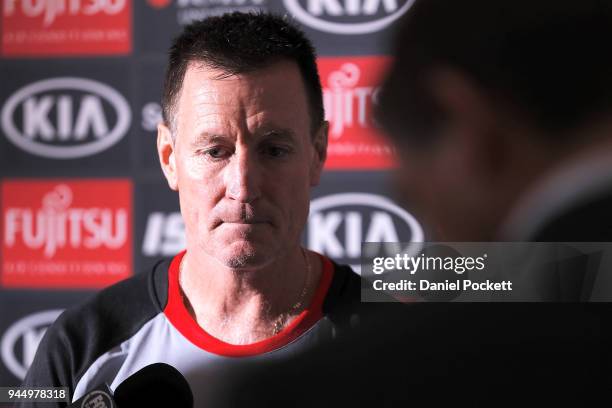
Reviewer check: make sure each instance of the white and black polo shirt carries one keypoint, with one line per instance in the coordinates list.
(143, 320)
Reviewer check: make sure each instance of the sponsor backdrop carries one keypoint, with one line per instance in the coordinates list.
(83, 201)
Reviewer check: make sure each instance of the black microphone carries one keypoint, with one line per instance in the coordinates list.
(155, 385)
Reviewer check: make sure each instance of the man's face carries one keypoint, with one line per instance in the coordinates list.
(448, 187)
(429, 186)
(243, 162)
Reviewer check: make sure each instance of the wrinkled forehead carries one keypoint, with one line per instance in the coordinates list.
(212, 98)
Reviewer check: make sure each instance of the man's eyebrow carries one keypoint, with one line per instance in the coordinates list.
(286, 135)
(205, 138)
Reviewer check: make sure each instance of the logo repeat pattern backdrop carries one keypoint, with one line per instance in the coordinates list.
(83, 201)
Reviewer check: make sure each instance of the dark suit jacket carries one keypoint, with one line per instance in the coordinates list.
(458, 354)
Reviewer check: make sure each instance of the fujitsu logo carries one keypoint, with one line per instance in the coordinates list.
(56, 225)
(51, 9)
(346, 104)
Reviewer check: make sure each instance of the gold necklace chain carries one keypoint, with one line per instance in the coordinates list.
(282, 319)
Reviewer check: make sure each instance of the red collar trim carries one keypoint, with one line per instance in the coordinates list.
(180, 318)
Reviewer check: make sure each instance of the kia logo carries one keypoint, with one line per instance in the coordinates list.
(30, 331)
(323, 15)
(66, 118)
(339, 223)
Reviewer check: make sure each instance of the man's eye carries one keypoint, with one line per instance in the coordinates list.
(276, 151)
(218, 153)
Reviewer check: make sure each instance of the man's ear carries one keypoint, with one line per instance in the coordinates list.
(473, 123)
(165, 151)
(320, 153)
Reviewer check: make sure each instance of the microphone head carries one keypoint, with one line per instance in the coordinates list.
(155, 385)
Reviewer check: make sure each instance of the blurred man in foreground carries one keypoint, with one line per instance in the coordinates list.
(502, 114)
(243, 141)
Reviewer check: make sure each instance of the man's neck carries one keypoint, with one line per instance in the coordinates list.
(242, 306)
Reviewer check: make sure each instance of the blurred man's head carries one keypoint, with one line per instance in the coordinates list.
(486, 96)
(244, 137)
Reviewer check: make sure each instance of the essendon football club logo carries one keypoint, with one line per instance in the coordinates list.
(350, 91)
(66, 233)
(66, 27)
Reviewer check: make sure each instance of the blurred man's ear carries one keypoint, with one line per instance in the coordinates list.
(472, 125)
(165, 151)
(320, 153)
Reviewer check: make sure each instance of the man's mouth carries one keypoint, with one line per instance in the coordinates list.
(242, 221)
(245, 222)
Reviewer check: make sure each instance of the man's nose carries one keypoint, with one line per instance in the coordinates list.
(243, 177)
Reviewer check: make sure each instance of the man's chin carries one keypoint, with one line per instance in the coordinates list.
(245, 256)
